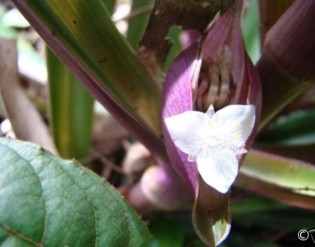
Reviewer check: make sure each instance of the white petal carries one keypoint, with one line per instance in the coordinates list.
(218, 171)
(187, 130)
(239, 118)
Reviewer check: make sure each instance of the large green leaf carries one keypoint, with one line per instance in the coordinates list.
(46, 201)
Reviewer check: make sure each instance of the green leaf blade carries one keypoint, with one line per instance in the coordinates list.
(12, 213)
(87, 42)
(296, 128)
(281, 178)
(288, 173)
(251, 32)
(46, 200)
(87, 30)
(71, 110)
(137, 25)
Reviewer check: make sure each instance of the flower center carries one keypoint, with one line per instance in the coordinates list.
(215, 84)
(222, 137)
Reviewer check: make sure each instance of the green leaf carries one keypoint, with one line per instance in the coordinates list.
(71, 108)
(255, 204)
(251, 25)
(297, 128)
(284, 179)
(137, 25)
(173, 230)
(46, 201)
(87, 41)
(110, 5)
(174, 37)
(166, 232)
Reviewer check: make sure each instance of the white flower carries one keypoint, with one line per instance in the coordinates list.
(214, 140)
